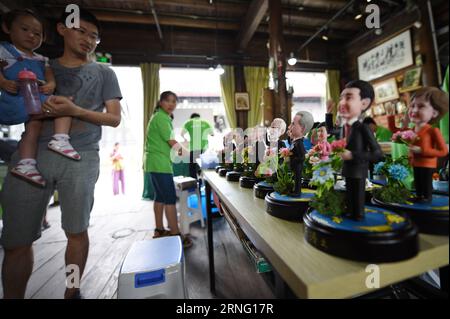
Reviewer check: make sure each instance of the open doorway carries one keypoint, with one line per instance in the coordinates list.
(198, 91)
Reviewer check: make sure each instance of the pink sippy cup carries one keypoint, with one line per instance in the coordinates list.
(29, 89)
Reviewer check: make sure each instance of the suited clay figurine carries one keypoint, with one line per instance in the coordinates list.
(301, 125)
(361, 149)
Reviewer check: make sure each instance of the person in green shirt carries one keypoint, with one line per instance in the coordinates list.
(198, 130)
(382, 134)
(157, 160)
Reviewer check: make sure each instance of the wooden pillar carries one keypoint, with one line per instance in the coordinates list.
(425, 42)
(239, 80)
(278, 54)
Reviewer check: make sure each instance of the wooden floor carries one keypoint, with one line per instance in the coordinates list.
(117, 222)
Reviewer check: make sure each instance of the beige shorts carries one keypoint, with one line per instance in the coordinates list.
(24, 205)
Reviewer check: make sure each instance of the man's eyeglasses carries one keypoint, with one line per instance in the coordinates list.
(92, 36)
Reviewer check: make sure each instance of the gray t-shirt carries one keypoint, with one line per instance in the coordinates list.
(90, 85)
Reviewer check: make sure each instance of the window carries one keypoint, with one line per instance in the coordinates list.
(309, 93)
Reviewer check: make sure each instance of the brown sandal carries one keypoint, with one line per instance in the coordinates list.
(161, 233)
(187, 242)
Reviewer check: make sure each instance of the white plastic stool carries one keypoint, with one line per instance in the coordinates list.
(153, 269)
(186, 186)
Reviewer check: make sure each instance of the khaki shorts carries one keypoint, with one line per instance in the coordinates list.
(24, 205)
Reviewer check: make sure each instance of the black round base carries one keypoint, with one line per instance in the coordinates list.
(373, 247)
(285, 209)
(233, 176)
(218, 168)
(248, 182)
(223, 172)
(261, 190)
(428, 222)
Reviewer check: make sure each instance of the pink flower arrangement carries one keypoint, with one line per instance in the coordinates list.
(338, 146)
(314, 155)
(264, 172)
(268, 172)
(318, 148)
(405, 137)
(285, 152)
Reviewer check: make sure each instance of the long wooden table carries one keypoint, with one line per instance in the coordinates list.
(309, 272)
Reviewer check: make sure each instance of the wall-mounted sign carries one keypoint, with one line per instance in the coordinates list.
(390, 56)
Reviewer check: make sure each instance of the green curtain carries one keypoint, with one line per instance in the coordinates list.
(443, 123)
(256, 79)
(227, 86)
(150, 84)
(333, 88)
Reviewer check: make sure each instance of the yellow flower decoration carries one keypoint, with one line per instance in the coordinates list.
(378, 229)
(393, 219)
(337, 220)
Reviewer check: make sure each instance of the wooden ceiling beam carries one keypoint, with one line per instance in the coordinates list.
(205, 18)
(324, 4)
(307, 31)
(298, 29)
(256, 11)
(319, 19)
(119, 17)
(8, 5)
(200, 8)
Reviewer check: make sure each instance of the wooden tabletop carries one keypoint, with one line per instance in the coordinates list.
(309, 272)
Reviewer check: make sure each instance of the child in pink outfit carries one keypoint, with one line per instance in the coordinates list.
(322, 145)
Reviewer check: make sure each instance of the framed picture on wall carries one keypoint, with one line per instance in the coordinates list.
(386, 91)
(241, 101)
(401, 107)
(378, 110)
(389, 56)
(411, 80)
(389, 107)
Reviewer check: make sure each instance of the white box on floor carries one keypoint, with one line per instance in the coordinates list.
(153, 269)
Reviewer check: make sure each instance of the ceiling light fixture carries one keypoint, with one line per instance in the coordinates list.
(292, 59)
(325, 34)
(219, 69)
